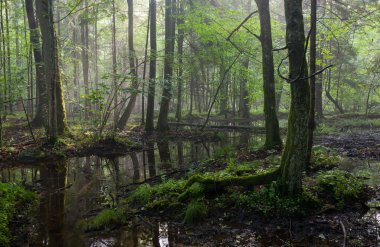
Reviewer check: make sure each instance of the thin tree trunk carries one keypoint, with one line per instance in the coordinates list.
(114, 67)
(244, 94)
(85, 61)
(149, 126)
(180, 61)
(272, 137)
(312, 68)
(162, 123)
(132, 101)
(295, 158)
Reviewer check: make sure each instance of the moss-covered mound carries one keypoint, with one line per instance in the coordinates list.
(12, 199)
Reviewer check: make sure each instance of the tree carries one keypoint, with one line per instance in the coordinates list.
(85, 61)
(162, 123)
(56, 115)
(133, 68)
(149, 126)
(38, 63)
(272, 135)
(295, 158)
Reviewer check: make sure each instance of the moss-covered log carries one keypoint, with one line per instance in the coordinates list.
(199, 184)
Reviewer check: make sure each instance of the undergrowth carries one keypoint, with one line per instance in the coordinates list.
(12, 199)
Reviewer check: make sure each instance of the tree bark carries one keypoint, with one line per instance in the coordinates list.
(272, 137)
(85, 62)
(295, 155)
(56, 120)
(41, 102)
(134, 87)
(149, 126)
(162, 123)
(180, 61)
(312, 68)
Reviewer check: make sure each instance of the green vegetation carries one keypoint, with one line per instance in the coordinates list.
(108, 218)
(341, 186)
(13, 199)
(196, 211)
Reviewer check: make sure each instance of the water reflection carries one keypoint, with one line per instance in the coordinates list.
(80, 187)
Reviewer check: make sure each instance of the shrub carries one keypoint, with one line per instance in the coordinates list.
(341, 186)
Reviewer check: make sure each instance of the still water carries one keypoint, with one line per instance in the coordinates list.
(80, 187)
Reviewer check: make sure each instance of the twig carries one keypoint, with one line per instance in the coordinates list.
(241, 24)
(218, 89)
(344, 233)
(256, 36)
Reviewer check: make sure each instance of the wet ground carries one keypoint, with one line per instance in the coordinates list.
(76, 188)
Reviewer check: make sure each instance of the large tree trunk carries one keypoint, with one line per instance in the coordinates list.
(39, 66)
(162, 123)
(272, 137)
(149, 126)
(132, 101)
(56, 120)
(295, 155)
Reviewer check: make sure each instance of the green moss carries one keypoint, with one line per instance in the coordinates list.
(196, 211)
(106, 219)
(12, 197)
(147, 195)
(341, 186)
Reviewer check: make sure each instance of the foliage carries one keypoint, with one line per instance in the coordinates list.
(149, 196)
(195, 212)
(12, 198)
(267, 201)
(324, 158)
(341, 186)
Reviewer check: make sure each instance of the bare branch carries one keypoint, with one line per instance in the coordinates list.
(241, 24)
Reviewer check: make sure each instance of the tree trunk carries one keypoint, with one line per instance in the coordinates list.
(56, 120)
(149, 126)
(272, 137)
(162, 123)
(295, 155)
(244, 94)
(134, 87)
(114, 68)
(180, 62)
(85, 62)
(313, 55)
(39, 66)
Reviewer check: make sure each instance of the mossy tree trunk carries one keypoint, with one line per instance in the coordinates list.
(39, 66)
(273, 138)
(56, 120)
(295, 155)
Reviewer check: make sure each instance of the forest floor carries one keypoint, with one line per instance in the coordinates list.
(348, 136)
